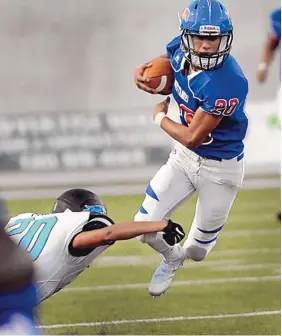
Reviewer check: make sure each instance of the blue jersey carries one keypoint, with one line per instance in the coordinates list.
(275, 19)
(222, 92)
(17, 311)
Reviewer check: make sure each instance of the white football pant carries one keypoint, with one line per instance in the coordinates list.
(216, 183)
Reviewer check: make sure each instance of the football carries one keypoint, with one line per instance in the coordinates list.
(161, 76)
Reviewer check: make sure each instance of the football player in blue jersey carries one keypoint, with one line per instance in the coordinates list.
(211, 90)
(271, 45)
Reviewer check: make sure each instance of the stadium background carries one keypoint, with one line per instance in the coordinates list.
(72, 116)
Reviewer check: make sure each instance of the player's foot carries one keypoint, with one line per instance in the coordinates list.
(163, 275)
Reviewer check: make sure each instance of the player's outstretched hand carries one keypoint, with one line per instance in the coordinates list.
(173, 233)
(140, 80)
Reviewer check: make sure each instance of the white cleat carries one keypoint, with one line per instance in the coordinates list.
(163, 275)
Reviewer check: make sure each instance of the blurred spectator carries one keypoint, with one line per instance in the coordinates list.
(271, 45)
(269, 50)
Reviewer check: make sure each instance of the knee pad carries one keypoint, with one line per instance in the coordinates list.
(196, 253)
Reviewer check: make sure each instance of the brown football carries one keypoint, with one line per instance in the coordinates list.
(161, 76)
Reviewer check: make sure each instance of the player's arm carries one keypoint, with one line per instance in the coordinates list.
(191, 137)
(271, 45)
(267, 56)
(173, 233)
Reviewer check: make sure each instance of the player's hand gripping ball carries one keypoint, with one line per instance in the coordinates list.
(155, 77)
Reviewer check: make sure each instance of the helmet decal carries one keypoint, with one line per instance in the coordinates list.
(186, 14)
(97, 209)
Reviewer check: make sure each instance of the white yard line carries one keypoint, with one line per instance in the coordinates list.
(251, 232)
(174, 284)
(246, 267)
(165, 319)
(108, 261)
(237, 252)
(227, 264)
(127, 260)
(136, 260)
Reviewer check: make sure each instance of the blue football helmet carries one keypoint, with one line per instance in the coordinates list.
(208, 18)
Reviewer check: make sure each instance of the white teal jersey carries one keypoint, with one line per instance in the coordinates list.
(47, 239)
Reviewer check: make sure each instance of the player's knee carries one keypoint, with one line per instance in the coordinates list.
(196, 253)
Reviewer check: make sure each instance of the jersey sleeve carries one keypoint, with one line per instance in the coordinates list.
(173, 46)
(221, 99)
(94, 222)
(275, 19)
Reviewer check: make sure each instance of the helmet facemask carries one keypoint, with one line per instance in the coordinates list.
(206, 61)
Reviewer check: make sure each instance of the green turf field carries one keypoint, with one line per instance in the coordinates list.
(235, 291)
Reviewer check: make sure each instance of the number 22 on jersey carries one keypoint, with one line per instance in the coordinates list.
(35, 233)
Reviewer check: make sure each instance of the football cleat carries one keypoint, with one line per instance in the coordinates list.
(163, 275)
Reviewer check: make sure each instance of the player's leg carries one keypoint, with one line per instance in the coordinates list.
(167, 190)
(215, 199)
(217, 185)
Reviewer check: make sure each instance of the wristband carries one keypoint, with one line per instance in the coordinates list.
(159, 117)
(262, 66)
